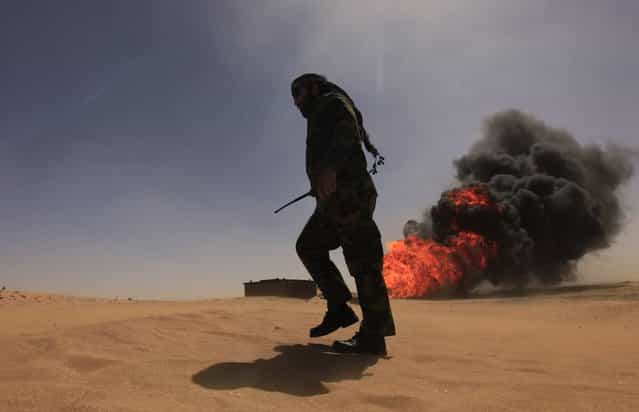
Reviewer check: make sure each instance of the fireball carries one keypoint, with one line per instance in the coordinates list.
(416, 267)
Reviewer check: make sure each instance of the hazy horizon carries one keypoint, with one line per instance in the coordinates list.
(144, 145)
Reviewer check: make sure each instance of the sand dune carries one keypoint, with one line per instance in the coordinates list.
(573, 349)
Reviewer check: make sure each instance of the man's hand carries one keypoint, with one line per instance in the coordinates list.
(326, 184)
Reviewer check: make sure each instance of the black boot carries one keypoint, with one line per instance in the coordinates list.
(362, 343)
(334, 319)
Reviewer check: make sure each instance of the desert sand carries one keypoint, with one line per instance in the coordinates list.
(571, 349)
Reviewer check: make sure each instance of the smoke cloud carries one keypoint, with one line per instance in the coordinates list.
(555, 199)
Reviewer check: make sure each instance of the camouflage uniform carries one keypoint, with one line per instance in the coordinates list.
(346, 218)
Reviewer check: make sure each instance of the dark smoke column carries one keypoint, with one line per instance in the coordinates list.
(557, 198)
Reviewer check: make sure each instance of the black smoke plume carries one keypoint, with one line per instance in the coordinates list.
(555, 199)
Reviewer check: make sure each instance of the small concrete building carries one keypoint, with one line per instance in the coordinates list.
(292, 288)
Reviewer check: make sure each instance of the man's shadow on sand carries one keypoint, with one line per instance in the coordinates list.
(298, 370)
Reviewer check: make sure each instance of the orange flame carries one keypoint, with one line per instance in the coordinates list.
(417, 267)
(471, 196)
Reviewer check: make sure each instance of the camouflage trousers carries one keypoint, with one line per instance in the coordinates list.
(356, 232)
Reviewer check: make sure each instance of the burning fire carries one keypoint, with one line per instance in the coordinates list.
(471, 196)
(416, 267)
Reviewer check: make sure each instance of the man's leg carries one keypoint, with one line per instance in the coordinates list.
(364, 256)
(317, 238)
(314, 243)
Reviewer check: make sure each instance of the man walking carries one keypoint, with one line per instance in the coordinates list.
(345, 195)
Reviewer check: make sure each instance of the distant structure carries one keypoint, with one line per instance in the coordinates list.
(290, 288)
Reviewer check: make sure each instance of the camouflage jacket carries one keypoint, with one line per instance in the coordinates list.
(333, 142)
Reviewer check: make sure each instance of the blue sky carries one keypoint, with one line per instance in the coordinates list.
(145, 144)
